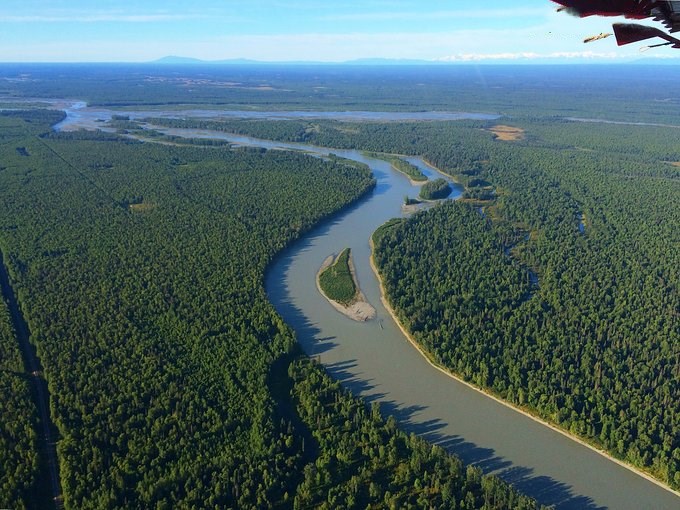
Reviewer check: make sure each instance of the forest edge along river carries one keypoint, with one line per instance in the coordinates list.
(377, 362)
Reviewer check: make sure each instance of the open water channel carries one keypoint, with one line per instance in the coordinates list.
(376, 361)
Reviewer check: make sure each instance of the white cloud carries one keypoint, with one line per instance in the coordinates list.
(569, 55)
(480, 14)
(99, 18)
(468, 46)
(558, 37)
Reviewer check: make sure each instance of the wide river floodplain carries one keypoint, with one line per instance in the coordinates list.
(376, 361)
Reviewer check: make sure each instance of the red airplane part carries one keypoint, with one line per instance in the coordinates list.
(627, 33)
(633, 9)
(667, 12)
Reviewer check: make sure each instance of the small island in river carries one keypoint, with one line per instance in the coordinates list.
(435, 190)
(415, 175)
(336, 280)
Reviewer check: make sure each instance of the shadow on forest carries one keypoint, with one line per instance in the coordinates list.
(342, 372)
(545, 490)
(308, 335)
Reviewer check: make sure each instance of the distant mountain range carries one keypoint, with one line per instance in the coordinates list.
(188, 60)
(175, 60)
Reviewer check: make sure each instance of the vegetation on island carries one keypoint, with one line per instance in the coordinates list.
(172, 380)
(410, 170)
(337, 281)
(435, 190)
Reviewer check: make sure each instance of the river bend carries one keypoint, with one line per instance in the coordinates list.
(376, 361)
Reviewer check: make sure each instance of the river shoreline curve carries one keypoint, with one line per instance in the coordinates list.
(436, 365)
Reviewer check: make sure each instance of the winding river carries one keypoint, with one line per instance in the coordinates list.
(376, 361)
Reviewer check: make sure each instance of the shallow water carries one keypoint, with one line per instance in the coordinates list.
(79, 115)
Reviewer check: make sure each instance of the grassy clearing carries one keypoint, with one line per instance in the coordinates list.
(142, 207)
(507, 133)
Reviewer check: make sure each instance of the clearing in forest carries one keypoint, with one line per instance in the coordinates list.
(507, 133)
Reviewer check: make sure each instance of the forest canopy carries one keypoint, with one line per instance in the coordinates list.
(173, 382)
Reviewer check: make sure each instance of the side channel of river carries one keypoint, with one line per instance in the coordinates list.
(80, 115)
(375, 361)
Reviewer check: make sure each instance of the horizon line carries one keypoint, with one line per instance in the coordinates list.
(366, 62)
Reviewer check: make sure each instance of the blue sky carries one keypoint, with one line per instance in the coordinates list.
(280, 30)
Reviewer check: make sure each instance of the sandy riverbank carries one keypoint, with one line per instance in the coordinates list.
(360, 310)
(411, 208)
(445, 371)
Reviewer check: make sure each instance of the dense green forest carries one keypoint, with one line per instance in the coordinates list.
(173, 382)
(337, 282)
(580, 227)
(22, 469)
(565, 297)
(139, 269)
(19, 460)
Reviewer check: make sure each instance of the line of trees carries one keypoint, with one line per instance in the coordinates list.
(19, 459)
